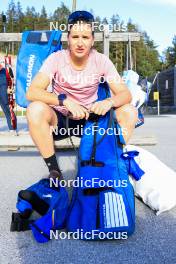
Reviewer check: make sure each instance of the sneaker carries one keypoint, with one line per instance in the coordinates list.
(56, 175)
(13, 133)
(9, 133)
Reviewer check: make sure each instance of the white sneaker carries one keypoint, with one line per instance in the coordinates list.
(13, 133)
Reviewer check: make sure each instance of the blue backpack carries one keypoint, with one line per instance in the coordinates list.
(106, 205)
(35, 48)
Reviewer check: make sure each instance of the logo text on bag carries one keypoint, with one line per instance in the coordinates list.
(29, 70)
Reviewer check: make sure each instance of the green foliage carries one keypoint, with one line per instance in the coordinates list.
(170, 54)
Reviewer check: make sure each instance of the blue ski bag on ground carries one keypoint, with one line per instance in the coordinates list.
(35, 48)
(104, 201)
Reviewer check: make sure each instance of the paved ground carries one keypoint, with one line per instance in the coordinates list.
(155, 237)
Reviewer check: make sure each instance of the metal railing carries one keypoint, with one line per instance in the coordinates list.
(106, 37)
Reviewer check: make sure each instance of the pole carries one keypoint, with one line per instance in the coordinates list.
(4, 19)
(4, 28)
(135, 59)
(130, 53)
(106, 40)
(73, 5)
(158, 101)
(127, 64)
(158, 107)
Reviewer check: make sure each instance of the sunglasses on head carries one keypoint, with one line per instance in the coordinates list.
(80, 15)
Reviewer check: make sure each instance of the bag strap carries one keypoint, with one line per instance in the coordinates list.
(52, 38)
(92, 160)
(109, 126)
(18, 223)
(24, 37)
(57, 38)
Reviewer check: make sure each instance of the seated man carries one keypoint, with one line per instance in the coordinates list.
(75, 74)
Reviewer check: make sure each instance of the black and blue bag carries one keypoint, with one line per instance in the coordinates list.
(36, 46)
(50, 202)
(103, 203)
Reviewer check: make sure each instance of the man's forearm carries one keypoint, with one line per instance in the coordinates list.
(43, 96)
(121, 98)
(120, 94)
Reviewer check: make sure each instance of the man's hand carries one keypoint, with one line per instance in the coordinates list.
(102, 107)
(77, 111)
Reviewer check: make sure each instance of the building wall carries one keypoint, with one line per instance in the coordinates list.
(166, 85)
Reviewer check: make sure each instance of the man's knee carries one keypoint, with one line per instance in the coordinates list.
(127, 113)
(36, 112)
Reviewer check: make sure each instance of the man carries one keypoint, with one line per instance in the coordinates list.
(4, 80)
(73, 92)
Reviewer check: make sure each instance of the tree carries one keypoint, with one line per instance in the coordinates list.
(170, 54)
(31, 17)
(61, 14)
(144, 53)
(104, 21)
(131, 27)
(11, 16)
(116, 48)
(43, 12)
(115, 20)
(20, 17)
(43, 20)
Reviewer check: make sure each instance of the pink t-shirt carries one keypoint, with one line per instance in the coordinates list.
(79, 85)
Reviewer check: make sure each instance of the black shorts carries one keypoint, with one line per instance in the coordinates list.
(67, 127)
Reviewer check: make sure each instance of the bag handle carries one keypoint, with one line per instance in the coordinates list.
(54, 36)
(24, 36)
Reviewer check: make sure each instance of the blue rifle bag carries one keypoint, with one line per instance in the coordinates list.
(103, 203)
(36, 46)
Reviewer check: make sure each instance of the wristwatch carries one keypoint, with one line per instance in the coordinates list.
(61, 98)
(111, 100)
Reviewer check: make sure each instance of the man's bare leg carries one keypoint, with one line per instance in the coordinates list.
(127, 117)
(40, 117)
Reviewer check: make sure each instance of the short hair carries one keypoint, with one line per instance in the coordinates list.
(79, 21)
(80, 16)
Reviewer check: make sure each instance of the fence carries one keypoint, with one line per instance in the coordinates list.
(106, 36)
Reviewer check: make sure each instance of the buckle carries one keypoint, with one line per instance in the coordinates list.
(92, 162)
(94, 117)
